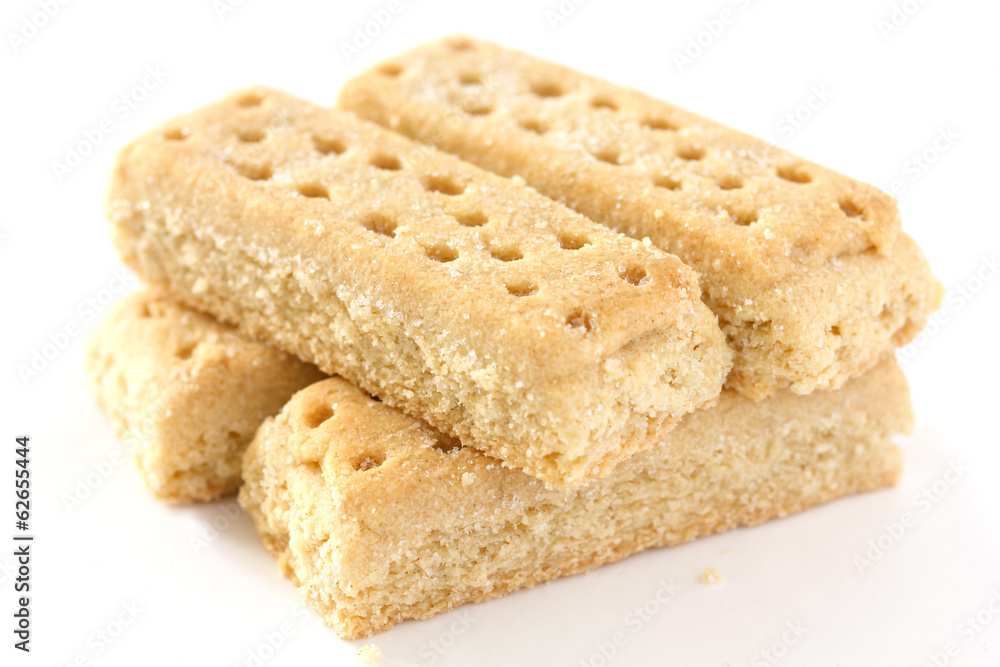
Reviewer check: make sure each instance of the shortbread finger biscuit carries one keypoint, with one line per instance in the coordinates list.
(481, 306)
(187, 392)
(807, 269)
(378, 519)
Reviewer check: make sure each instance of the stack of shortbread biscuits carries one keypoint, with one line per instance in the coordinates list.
(566, 322)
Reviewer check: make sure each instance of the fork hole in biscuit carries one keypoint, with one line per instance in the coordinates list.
(506, 253)
(443, 184)
(460, 44)
(470, 78)
(604, 102)
(249, 100)
(794, 173)
(533, 125)
(691, 153)
(255, 172)
(633, 275)
(851, 208)
(472, 219)
(477, 107)
(667, 182)
(386, 162)
(742, 217)
(441, 252)
(329, 145)
(317, 416)
(185, 351)
(729, 182)
(608, 154)
(446, 444)
(390, 70)
(250, 136)
(572, 241)
(521, 288)
(368, 461)
(380, 224)
(580, 319)
(176, 133)
(659, 123)
(547, 89)
(313, 190)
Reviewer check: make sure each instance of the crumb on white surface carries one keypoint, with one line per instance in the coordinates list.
(369, 654)
(711, 576)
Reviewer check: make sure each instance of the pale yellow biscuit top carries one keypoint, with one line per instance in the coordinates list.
(723, 200)
(421, 235)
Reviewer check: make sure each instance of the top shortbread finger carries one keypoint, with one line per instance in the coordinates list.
(488, 310)
(768, 232)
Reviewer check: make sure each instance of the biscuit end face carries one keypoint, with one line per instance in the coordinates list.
(185, 393)
(819, 328)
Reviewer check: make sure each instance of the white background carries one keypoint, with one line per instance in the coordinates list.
(887, 96)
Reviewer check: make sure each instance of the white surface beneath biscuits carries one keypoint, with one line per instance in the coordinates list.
(200, 573)
(204, 594)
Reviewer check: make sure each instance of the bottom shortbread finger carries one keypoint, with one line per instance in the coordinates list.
(378, 518)
(187, 392)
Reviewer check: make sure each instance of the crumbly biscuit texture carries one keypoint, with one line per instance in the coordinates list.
(488, 310)
(806, 268)
(379, 518)
(186, 393)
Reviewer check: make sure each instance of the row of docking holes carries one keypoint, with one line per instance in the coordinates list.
(317, 415)
(793, 173)
(383, 225)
